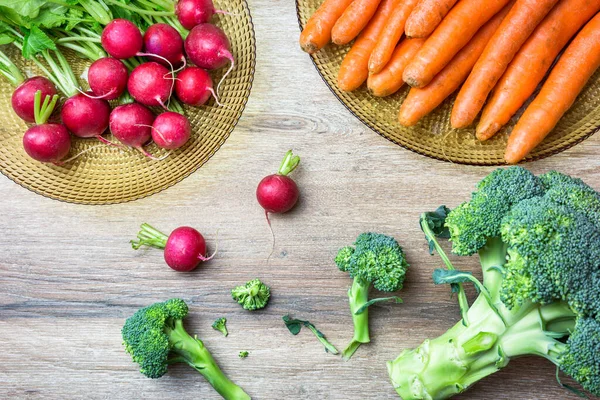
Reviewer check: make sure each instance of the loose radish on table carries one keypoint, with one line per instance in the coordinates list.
(194, 86)
(194, 12)
(184, 248)
(171, 130)
(151, 84)
(132, 125)
(278, 193)
(163, 40)
(86, 117)
(122, 39)
(23, 97)
(46, 142)
(108, 78)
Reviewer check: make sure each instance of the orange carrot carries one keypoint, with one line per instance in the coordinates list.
(567, 80)
(317, 32)
(389, 80)
(390, 36)
(532, 62)
(353, 20)
(524, 17)
(426, 16)
(421, 102)
(455, 31)
(355, 67)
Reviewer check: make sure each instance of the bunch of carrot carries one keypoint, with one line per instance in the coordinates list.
(501, 50)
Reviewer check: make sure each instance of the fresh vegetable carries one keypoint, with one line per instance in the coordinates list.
(421, 102)
(195, 12)
(295, 326)
(278, 193)
(353, 21)
(151, 84)
(453, 33)
(532, 62)
(523, 18)
(537, 240)
(122, 39)
(390, 36)
(108, 78)
(317, 31)
(568, 78)
(243, 354)
(220, 325)
(426, 16)
(194, 86)
(252, 296)
(132, 125)
(22, 99)
(163, 40)
(184, 248)
(171, 130)
(86, 117)
(155, 337)
(376, 260)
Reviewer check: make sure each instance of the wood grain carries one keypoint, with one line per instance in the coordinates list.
(68, 277)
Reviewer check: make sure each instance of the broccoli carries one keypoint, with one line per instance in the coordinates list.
(220, 325)
(254, 295)
(538, 241)
(155, 337)
(243, 354)
(376, 260)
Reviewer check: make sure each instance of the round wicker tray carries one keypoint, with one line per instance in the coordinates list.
(104, 174)
(433, 136)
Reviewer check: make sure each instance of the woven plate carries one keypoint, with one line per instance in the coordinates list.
(433, 136)
(105, 174)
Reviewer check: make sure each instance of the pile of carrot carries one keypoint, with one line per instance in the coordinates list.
(496, 52)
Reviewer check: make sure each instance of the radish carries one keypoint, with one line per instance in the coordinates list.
(23, 97)
(194, 12)
(171, 130)
(278, 193)
(163, 40)
(208, 47)
(122, 39)
(149, 84)
(194, 86)
(132, 125)
(86, 117)
(108, 78)
(184, 248)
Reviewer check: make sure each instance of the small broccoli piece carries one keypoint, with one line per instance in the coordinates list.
(254, 295)
(376, 260)
(243, 354)
(220, 325)
(155, 337)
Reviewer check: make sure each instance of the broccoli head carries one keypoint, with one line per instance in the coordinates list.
(538, 240)
(254, 295)
(220, 325)
(375, 260)
(155, 337)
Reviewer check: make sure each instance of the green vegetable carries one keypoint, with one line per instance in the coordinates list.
(295, 326)
(243, 354)
(220, 325)
(538, 240)
(155, 337)
(254, 295)
(376, 260)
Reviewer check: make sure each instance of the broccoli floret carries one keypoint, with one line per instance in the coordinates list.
(254, 295)
(220, 325)
(155, 337)
(538, 240)
(243, 354)
(376, 260)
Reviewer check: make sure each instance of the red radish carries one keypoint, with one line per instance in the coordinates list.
(171, 130)
(194, 86)
(195, 12)
(122, 39)
(163, 40)
(23, 97)
(86, 117)
(151, 84)
(132, 125)
(184, 248)
(108, 78)
(278, 193)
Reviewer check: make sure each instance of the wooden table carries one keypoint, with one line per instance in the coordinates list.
(69, 278)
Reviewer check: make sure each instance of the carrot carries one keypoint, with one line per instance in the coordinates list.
(421, 102)
(567, 80)
(532, 62)
(317, 32)
(426, 16)
(389, 80)
(524, 17)
(355, 67)
(455, 31)
(353, 20)
(390, 36)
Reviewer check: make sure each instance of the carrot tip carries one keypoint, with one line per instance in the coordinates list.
(309, 48)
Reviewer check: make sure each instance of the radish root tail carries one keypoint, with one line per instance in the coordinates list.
(103, 97)
(204, 259)
(272, 236)
(232, 62)
(63, 162)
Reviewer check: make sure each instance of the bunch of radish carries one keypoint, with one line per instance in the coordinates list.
(164, 73)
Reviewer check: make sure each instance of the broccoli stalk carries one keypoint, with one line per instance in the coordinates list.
(155, 338)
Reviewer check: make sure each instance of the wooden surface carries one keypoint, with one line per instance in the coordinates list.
(69, 278)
